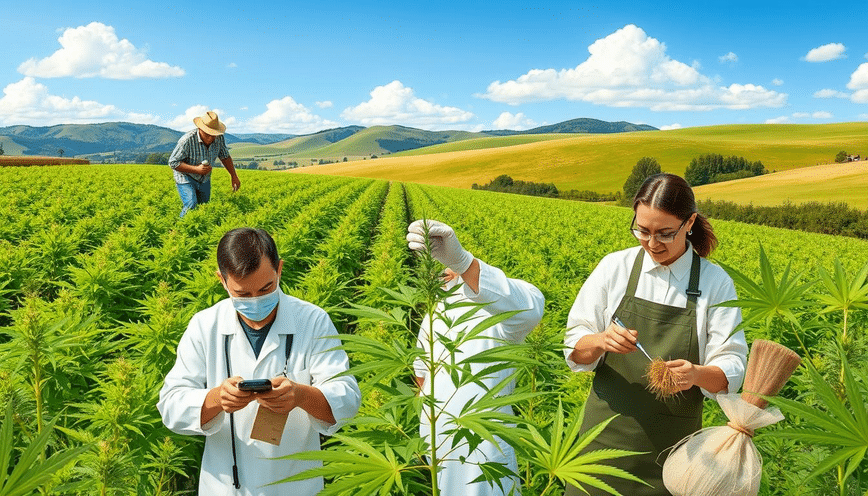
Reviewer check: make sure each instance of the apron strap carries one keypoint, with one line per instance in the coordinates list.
(693, 291)
(634, 273)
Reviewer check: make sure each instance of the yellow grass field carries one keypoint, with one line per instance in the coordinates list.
(826, 183)
(602, 162)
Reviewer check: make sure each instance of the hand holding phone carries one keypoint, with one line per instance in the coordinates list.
(255, 385)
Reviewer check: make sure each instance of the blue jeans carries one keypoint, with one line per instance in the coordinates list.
(194, 193)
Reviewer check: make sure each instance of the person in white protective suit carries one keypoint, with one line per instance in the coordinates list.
(481, 283)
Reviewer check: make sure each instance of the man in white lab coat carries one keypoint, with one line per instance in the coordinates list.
(482, 283)
(257, 333)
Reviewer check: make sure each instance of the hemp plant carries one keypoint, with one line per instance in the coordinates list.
(384, 451)
(830, 408)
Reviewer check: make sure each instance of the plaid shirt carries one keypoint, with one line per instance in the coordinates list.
(191, 150)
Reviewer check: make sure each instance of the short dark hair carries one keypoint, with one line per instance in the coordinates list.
(672, 194)
(240, 251)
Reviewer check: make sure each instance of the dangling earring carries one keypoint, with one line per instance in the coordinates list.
(690, 232)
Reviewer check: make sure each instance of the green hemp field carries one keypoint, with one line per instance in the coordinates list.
(99, 277)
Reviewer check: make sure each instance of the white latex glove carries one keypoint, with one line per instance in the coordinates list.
(445, 247)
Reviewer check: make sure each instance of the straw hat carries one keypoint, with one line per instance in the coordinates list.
(210, 124)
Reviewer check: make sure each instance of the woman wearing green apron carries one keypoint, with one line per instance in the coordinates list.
(664, 293)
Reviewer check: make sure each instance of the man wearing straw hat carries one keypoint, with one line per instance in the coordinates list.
(192, 158)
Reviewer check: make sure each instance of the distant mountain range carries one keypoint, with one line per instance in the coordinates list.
(581, 125)
(123, 141)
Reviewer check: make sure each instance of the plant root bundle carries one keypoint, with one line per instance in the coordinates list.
(723, 459)
(662, 381)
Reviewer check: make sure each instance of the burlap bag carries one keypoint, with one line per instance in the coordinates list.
(722, 459)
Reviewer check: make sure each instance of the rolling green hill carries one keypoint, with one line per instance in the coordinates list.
(298, 145)
(87, 139)
(602, 162)
(362, 142)
(482, 144)
(121, 140)
(124, 141)
(390, 140)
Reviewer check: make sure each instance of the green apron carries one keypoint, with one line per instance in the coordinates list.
(644, 423)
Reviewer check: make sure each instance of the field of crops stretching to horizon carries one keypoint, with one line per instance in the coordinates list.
(602, 162)
(99, 278)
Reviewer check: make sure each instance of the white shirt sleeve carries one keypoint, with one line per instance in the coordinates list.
(502, 294)
(342, 393)
(590, 312)
(722, 350)
(184, 390)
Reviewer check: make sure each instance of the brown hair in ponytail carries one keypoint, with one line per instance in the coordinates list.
(672, 194)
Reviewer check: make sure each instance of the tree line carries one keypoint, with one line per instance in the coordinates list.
(836, 218)
(715, 168)
(506, 184)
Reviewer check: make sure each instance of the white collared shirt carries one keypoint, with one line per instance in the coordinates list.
(201, 365)
(602, 292)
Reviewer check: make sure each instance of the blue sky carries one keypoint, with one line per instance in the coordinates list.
(285, 68)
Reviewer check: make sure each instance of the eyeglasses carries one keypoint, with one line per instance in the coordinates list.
(661, 238)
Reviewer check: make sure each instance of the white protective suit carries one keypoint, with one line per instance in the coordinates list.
(201, 366)
(503, 295)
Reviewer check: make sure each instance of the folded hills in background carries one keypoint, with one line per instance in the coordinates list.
(122, 141)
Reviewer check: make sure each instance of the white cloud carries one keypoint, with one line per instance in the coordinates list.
(671, 126)
(395, 103)
(778, 82)
(324, 105)
(95, 51)
(828, 93)
(30, 103)
(184, 122)
(859, 83)
(287, 116)
(822, 114)
(517, 122)
(863, 116)
(826, 53)
(731, 58)
(630, 69)
(232, 65)
(860, 96)
(859, 78)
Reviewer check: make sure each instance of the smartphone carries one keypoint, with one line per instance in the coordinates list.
(255, 385)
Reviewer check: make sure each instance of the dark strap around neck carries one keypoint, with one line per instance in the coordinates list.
(288, 348)
(693, 291)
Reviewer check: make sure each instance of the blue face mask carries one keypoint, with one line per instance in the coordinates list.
(256, 308)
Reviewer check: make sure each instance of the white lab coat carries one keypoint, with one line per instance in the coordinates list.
(503, 295)
(201, 366)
